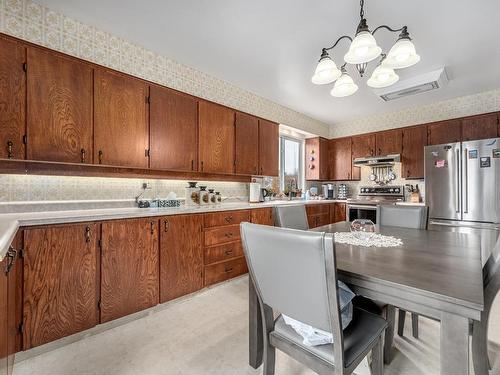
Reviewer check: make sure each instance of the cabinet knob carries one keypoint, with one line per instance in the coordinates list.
(82, 152)
(10, 146)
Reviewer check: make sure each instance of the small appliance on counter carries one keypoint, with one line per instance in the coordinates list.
(255, 192)
(328, 191)
(342, 191)
(264, 193)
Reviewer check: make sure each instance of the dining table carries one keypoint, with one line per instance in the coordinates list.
(432, 273)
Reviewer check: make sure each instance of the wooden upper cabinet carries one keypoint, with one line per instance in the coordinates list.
(316, 154)
(340, 159)
(362, 146)
(247, 144)
(480, 127)
(269, 139)
(414, 141)
(449, 131)
(59, 123)
(121, 126)
(216, 138)
(129, 267)
(389, 142)
(181, 256)
(12, 99)
(174, 130)
(60, 282)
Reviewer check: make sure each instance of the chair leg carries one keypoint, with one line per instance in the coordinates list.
(390, 317)
(401, 322)
(377, 365)
(414, 325)
(480, 349)
(269, 359)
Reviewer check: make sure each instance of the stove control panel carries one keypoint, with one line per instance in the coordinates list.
(381, 190)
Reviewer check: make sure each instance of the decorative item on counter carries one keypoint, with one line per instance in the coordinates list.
(342, 192)
(192, 194)
(204, 198)
(170, 201)
(218, 197)
(254, 196)
(414, 193)
(362, 229)
(211, 196)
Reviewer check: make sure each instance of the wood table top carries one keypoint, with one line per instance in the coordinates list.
(442, 265)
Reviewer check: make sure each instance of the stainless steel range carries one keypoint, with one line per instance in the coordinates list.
(369, 197)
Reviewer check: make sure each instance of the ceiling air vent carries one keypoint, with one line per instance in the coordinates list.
(414, 85)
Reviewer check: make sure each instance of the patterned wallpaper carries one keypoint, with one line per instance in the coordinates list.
(484, 102)
(38, 24)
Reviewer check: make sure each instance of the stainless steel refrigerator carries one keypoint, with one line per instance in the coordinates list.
(462, 189)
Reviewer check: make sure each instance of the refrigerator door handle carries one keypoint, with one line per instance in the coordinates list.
(466, 183)
(457, 169)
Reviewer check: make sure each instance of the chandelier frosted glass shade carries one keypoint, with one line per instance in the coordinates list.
(344, 86)
(402, 55)
(363, 49)
(382, 76)
(326, 71)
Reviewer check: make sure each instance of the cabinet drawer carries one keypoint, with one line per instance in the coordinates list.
(316, 209)
(223, 252)
(217, 219)
(222, 235)
(224, 271)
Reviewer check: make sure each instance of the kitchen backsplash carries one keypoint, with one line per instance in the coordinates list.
(38, 24)
(31, 188)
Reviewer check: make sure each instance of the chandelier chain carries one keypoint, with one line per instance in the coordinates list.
(362, 11)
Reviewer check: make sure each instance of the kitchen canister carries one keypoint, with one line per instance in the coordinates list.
(204, 198)
(218, 197)
(192, 194)
(211, 197)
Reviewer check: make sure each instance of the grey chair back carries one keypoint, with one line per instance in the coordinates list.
(293, 217)
(403, 216)
(292, 271)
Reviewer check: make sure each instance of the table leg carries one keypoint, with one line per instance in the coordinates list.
(454, 345)
(255, 339)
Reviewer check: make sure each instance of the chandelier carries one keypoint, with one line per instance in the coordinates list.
(362, 50)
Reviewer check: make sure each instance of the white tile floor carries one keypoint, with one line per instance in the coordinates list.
(208, 334)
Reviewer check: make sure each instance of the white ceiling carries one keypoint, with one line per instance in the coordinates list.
(271, 47)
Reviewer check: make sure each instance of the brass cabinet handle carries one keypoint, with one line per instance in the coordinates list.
(10, 146)
(100, 156)
(202, 165)
(228, 252)
(166, 226)
(227, 270)
(228, 219)
(192, 165)
(82, 152)
(87, 234)
(229, 234)
(152, 227)
(11, 255)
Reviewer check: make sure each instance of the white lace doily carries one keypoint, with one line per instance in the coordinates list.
(376, 240)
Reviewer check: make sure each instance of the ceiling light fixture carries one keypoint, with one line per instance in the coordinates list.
(362, 50)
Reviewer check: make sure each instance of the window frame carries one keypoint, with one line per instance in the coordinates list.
(301, 179)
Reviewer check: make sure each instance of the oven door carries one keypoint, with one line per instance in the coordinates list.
(362, 211)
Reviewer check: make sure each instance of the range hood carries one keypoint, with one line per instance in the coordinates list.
(378, 161)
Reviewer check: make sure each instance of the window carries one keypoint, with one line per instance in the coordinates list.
(291, 163)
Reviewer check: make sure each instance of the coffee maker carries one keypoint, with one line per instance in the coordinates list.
(329, 191)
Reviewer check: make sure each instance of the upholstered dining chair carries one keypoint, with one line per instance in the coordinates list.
(292, 216)
(415, 217)
(294, 273)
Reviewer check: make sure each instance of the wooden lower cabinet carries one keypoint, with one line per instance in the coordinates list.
(129, 267)
(222, 271)
(263, 216)
(60, 283)
(181, 256)
(337, 212)
(318, 214)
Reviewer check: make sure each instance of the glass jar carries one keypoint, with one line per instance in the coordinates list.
(218, 197)
(363, 229)
(204, 198)
(211, 197)
(192, 194)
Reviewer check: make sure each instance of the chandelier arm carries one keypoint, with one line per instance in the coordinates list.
(337, 42)
(403, 29)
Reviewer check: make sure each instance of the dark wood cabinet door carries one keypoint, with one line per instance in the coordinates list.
(174, 130)
(4, 323)
(60, 282)
(216, 132)
(12, 99)
(480, 127)
(59, 122)
(389, 142)
(263, 216)
(362, 146)
(129, 267)
(414, 141)
(340, 159)
(440, 132)
(247, 144)
(269, 139)
(121, 129)
(181, 256)
(316, 150)
(337, 212)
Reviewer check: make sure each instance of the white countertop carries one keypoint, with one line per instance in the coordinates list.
(11, 222)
